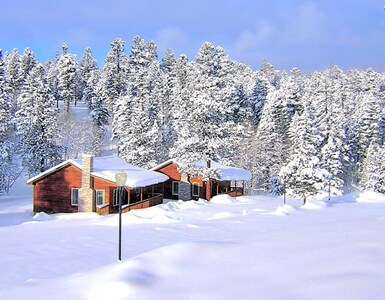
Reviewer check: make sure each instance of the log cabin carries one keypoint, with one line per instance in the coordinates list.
(88, 185)
(182, 186)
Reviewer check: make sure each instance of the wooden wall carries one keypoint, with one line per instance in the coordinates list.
(171, 170)
(52, 194)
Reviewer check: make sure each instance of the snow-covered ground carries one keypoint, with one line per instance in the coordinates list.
(243, 248)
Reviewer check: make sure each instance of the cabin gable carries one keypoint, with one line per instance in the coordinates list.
(171, 170)
(52, 193)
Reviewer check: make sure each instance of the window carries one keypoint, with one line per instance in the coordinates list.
(115, 197)
(195, 189)
(75, 197)
(175, 187)
(99, 197)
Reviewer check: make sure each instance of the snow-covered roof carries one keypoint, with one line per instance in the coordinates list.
(225, 172)
(106, 168)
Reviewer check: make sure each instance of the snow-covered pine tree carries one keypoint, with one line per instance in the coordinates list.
(203, 143)
(268, 73)
(98, 111)
(367, 117)
(327, 92)
(138, 124)
(7, 168)
(303, 175)
(168, 66)
(27, 62)
(271, 142)
(212, 91)
(291, 88)
(258, 99)
(182, 111)
(36, 123)
(381, 129)
(334, 157)
(86, 68)
(374, 168)
(114, 75)
(67, 85)
(52, 71)
(12, 73)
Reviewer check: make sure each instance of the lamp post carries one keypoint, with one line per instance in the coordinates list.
(120, 178)
(329, 179)
(282, 180)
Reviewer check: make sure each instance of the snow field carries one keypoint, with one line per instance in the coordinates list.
(245, 248)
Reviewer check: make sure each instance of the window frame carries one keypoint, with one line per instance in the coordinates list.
(195, 185)
(115, 198)
(175, 184)
(103, 193)
(73, 190)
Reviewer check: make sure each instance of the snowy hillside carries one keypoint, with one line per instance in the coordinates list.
(244, 248)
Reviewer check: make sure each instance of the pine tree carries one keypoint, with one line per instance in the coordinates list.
(327, 92)
(52, 71)
(114, 75)
(86, 68)
(27, 63)
(303, 176)
(168, 69)
(7, 168)
(211, 100)
(374, 168)
(258, 99)
(98, 111)
(67, 85)
(182, 112)
(268, 73)
(271, 142)
(12, 73)
(137, 122)
(367, 118)
(36, 123)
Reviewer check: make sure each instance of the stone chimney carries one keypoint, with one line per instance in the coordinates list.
(86, 194)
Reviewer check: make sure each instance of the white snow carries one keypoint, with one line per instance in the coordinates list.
(230, 248)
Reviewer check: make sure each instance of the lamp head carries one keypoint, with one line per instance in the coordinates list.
(121, 178)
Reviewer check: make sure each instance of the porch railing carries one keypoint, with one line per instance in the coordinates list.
(235, 192)
(103, 209)
(154, 200)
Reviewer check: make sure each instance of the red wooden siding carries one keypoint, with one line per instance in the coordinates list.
(106, 186)
(202, 187)
(171, 170)
(52, 194)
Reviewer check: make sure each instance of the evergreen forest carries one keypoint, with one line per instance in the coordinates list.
(307, 134)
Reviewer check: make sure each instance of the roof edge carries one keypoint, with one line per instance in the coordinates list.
(54, 169)
(163, 164)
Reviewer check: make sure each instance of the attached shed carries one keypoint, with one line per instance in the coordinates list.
(230, 180)
(88, 185)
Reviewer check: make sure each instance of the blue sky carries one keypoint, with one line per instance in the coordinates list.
(310, 35)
